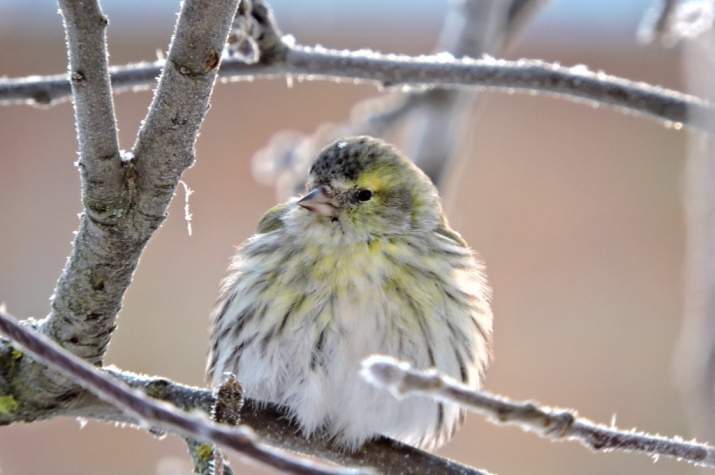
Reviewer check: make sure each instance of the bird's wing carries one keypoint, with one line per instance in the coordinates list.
(273, 219)
(444, 230)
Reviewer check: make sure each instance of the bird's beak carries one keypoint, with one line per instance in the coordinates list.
(319, 201)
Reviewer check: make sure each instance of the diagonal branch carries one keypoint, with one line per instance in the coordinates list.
(402, 380)
(165, 144)
(149, 412)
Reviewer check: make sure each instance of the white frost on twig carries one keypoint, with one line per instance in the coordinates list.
(402, 380)
(187, 213)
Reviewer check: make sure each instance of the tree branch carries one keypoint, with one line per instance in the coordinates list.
(99, 163)
(102, 184)
(268, 421)
(150, 412)
(528, 76)
(115, 228)
(403, 380)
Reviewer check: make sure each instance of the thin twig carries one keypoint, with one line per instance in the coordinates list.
(151, 412)
(577, 83)
(558, 424)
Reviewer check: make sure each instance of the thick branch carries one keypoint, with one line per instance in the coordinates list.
(435, 133)
(113, 232)
(529, 76)
(402, 380)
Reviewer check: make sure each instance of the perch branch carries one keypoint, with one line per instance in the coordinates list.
(268, 421)
(403, 380)
(152, 413)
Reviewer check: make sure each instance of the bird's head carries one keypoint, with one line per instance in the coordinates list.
(367, 185)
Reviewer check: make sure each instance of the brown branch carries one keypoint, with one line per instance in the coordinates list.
(402, 380)
(150, 412)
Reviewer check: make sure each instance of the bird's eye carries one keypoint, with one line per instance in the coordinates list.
(364, 195)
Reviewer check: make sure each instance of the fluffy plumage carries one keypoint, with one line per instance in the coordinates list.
(364, 263)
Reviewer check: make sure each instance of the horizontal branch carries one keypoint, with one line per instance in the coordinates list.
(403, 380)
(268, 421)
(576, 83)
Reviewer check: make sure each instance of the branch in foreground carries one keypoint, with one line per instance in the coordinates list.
(150, 412)
(270, 422)
(576, 83)
(402, 380)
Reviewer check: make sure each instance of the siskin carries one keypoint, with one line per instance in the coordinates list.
(364, 263)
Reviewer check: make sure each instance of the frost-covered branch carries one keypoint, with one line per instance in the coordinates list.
(312, 63)
(152, 413)
(85, 328)
(125, 198)
(402, 380)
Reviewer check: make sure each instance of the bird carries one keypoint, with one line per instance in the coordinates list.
(364, 263)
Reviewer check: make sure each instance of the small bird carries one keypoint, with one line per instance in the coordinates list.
(365, 263)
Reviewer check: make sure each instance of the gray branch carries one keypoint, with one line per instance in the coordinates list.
(149, 412)
(435, 131)
(402, 381)
(85, 328)
(99, 162)
(527, 76)
(125, 198)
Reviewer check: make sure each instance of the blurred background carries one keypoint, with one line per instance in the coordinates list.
(576, 211)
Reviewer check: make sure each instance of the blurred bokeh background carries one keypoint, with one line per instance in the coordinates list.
(576, 211)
